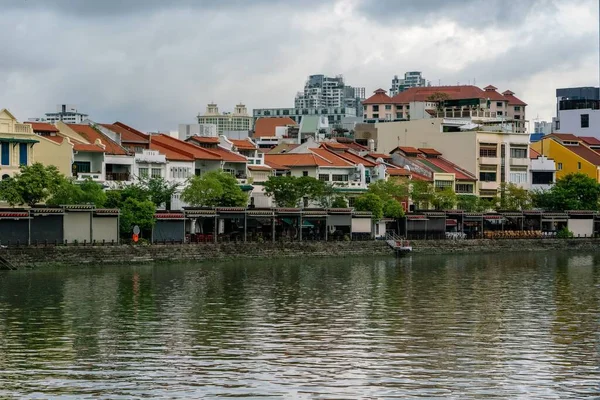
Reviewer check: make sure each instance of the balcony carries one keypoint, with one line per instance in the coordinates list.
(95, 176)
(520, 162)
(118, 176)
(23, 128)
(449, 113)
(150, 156)
(488, 185)
(489, 160)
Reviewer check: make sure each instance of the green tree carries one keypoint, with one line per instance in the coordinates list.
(159, 190)
(34, 184)
(214, 189)
(439, 98)
(339, 202)
(135, 212)
(114, 198)
(487, 204)
(467, 202)
(392, 209)
(288, 191)
(389, 189)
(571, 192)
(370, 202)
(444, 199)
(421, 193)
(86, 192)
(514, 198)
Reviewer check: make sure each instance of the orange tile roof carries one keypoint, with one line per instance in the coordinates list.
(57, 139)
(274, 165)
(91, 135)
(204, 139)
(335, 145)
(170, 154)
(259, 168)
(227, 155)
(92, 148)
(380, 155)
(533, 153)
(586, 153)
(42, 127)
(331, 158)
(397, 171)
(243, 144)
(451, 168)
(356, 159)
(429, 151)
(380, 97)
(181, 146)
(265, 126)
(406, 150)
(127, 135)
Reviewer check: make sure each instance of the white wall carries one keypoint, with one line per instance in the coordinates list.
(570, 122)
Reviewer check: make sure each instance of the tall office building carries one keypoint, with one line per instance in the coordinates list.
(239, 120)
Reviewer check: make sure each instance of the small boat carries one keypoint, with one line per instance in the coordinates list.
(399, 245)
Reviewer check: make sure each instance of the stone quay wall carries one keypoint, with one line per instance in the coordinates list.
(74, 256)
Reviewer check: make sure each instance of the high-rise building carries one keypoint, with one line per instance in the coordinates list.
(411, 79)
(577, 111)
(239, 120)
(66, 113)
(321, 91)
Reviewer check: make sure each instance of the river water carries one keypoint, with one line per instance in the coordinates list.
(505, 326)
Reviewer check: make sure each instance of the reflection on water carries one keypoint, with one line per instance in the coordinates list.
(502, 326)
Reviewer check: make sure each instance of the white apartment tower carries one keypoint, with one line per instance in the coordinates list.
(411, 79)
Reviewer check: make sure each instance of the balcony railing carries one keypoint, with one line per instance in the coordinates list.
(522, 162)
(95, 176)
(466, 114)
(117, 176)
(489, 160)
(23, 128)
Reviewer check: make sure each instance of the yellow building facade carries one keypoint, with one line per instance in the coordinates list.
(570, 156)
(19, 145)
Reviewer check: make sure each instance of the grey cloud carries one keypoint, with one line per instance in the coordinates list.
(474, 13)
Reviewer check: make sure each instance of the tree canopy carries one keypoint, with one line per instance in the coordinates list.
(514, 198)
(288, 191)
(370, 202)
(572, 192)
(86, 192)
(214, 189)
(32, 185)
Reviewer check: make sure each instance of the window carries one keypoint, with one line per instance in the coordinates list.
(499, 113)
(557, 125)
(517, 108)
(517, 117)
(324, 177)
(339, 178)
(388, 106)
(585, 120)
(156, 173)
(375, 108)
(81, 166)
(197, 172)
(138, 149)
(518, 177)
(499, 104)
(143, 172)
(487, 176)
(22, 153)
(408, 107)
(399, 115)
(559, 166)
(304, 173)
(399, 107)
(5, 153)
(488, 152)
(578, 165)
(542, 178)
(518, 153)
(463, 188)
(375, 115)
(441, 185)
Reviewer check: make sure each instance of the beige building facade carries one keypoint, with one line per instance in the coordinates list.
(238, 120)
(19, 145)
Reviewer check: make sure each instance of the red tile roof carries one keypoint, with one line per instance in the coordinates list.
(170, 153)
(429, 151)
(380, 97)
(185, 148)
(533, 154)
(274, 165)
(317, 157)
(512, 100)
(355, 159)
(454, 93)
(91, 135)
(335, 145)
(490, 93)
(586, 153)
(590, 140)
(265, 126)
(397, 171)
(42, 127)
(569, 137)
(451, 168)
(331, 158)
(227, 155)
(243, 144)
(127, 135)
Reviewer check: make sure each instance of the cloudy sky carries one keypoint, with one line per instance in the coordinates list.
(156, 63)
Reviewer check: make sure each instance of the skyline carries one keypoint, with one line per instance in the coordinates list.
(151, 64)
